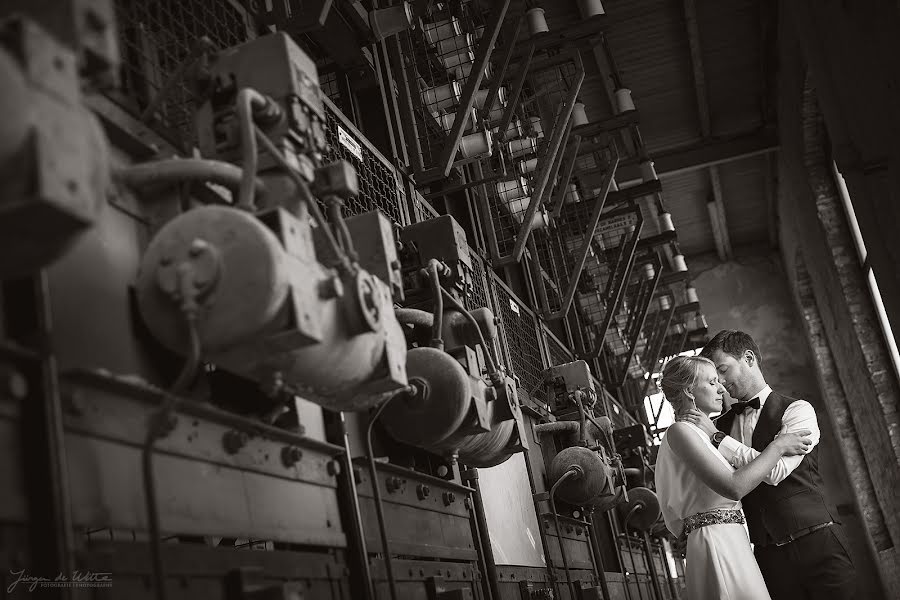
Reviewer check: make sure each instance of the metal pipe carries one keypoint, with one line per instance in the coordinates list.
(185, 170)
(471, 478)
(640, 321)
(160, 424)
(652, 567)
(356, 514)
(379, 506)
(614, 529)
(598, 556)
(559, 537)
(488, 351)
(438, 312)
(557, 427)
(560, 129)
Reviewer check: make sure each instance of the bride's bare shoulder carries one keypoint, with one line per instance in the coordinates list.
(680, 435)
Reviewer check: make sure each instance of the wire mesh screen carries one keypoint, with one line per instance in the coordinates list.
(423, 209)
(155, 38)
(442, 56)
(597, 284)
(519, 330)
(379, 184)
(557, 352)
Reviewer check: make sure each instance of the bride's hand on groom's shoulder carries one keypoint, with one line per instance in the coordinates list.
(698, 418)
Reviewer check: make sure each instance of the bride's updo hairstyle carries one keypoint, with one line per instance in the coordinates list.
(680, 375)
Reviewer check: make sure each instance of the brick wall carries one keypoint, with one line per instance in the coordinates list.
(861, 392)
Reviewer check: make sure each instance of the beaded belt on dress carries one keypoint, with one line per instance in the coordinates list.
(720, 516)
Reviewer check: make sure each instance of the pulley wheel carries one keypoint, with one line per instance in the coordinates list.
(439, 405)
(647, 512)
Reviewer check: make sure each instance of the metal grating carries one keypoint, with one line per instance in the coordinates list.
(154, 39)
(558, 354)
(519, 329)
(379, 185)
(423, 209)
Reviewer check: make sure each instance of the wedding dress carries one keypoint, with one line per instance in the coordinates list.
(720, 564)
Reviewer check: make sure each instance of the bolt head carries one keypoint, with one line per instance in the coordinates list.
(333, 468)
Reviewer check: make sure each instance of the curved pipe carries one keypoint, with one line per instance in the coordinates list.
(556, 427)
(172, 171)
(414, 317)
(571, 473)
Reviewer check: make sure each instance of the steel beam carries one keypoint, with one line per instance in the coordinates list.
(702, 155)
(473, 82)
(559, 130)
(599, 202)
(642, 311)
(500, 74)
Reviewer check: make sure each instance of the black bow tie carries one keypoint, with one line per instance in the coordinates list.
(740, 407)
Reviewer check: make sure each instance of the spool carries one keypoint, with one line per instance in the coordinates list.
(665, 222)
(678, 263)
(512, 189)
(590, 8)
(465, 69)
(528, 166)
(442, 97)
(649, 271)
(624, 103)
(386, 22)
(691, 293)
(537, 127)
(456, 51)
(665, 303)
(481, 97)
(522, 147)
(678, 329)
(536, 22)
(448, 118)
(648, 171)
(441, 30)
(476, 144)
(572, 194)
(579, 117)
(702, 322)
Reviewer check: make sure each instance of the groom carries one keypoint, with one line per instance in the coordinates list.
(799, 545)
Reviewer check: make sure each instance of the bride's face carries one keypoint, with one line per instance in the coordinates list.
(708, 392)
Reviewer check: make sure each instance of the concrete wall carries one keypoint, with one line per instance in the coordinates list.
(752, 294)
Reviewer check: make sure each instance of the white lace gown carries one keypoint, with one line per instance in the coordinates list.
(720, 564)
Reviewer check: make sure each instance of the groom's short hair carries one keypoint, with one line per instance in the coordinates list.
(732, 342)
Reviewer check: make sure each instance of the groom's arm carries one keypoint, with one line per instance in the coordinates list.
(799, 415)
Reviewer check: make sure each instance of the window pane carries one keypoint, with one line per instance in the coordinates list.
(883, 320)
(851, 216)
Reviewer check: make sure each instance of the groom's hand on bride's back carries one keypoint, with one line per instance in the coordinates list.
(700, 419)
(793, 443)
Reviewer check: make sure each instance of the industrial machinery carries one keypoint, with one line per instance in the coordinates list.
(329, 301)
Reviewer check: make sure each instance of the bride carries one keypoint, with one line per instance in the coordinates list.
(700, 492)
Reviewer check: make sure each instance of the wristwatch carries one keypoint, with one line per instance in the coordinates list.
(716, 438)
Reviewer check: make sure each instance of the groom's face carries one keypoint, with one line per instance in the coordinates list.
(734, 374)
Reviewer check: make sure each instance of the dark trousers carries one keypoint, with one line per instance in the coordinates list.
(815, 567)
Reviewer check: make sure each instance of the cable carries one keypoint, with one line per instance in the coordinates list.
(438, 322)
(343, 262)
(246, 98)
(572, 472)
(379, 507)
(488, 355)
(160, 424)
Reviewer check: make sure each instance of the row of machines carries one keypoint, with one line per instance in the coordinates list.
(218, 384)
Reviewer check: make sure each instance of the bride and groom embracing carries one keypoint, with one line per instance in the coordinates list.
(761, 456)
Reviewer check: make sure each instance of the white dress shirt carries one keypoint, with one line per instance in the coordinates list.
(736, 448)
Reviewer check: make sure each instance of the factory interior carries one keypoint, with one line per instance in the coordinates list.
(370, 300)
